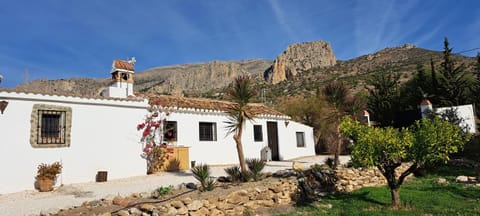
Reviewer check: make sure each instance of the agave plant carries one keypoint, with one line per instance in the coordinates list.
(202, 174)
(256, 166)
(234, 173)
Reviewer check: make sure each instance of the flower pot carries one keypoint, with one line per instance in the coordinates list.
(45, 185)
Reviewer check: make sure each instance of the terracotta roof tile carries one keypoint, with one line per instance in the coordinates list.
(122, 64)
(129, 98)
(208, 104)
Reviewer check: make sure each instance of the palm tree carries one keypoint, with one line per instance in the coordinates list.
(238, 113)
(336, 95)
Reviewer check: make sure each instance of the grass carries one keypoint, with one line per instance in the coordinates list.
(420, 196)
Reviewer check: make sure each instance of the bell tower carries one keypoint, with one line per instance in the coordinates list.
(121, 85)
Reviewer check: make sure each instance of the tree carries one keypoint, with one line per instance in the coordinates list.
(453, 82)
(238, 113)
(336, 95)
(429, 141)
(383, 97)
(307, 110)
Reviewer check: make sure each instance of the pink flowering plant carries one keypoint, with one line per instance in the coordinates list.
(154, 150)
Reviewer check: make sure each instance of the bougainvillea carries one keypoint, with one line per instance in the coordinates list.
(155, 151)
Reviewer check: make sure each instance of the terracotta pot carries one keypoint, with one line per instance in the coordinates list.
(45, 185)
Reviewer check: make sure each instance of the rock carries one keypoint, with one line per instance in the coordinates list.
(225, 206)
(461, 179)
(200, 212)
(177, 204)
(300, 57)
(441, 181)
(135, 211)
(182, 210)
(223, 179)
(297, 166)
(187, 200)
(276, 188)
(118, 200)
(123, 213)
(191, 185)
(171, 211)
(283, 173)
(195, 205)
(147, 207)
(216, 212)
(238, 197)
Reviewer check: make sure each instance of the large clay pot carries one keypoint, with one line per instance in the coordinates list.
(45, 185)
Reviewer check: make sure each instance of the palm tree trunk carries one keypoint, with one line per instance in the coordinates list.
(241, 157)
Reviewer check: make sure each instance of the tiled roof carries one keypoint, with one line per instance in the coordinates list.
(44, 93)
(122, 64)
(202, 104)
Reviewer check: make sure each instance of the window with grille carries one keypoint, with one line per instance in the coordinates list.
(50, 126)
(300, 139)
(257, 133)
(207, 131)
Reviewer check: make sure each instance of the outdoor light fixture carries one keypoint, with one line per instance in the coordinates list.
(286, 123)
(3, 105)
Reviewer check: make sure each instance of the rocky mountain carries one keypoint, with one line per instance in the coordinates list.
(300, 57)
(301, 69)
(176, 79)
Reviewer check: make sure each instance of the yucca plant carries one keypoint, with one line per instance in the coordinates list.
(256, 166)
(202, 174)
(234, 173)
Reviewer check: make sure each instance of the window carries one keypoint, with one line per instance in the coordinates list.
(207, 131)
(300, 139)
(50, 126)
(257, 133)
(170, 131)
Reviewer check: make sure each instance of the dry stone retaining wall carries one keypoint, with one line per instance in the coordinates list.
(350, 179)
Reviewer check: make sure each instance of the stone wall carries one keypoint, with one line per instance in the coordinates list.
(239, 202)
(350, 179)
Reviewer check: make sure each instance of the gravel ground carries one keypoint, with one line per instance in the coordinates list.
(32, 202)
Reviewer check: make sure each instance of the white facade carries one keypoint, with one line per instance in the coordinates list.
(104, 137)
(466, 112)
(223, 150)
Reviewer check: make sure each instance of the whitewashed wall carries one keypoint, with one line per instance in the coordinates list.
(224, 151)
(103, 137)
(466, 112)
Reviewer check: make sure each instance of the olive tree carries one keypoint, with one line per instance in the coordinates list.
(428, 141)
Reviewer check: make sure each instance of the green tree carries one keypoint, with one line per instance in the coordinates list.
(336, 95)
(238, 113)
(309, 110)
(453, 82)
(429, 141)
(383, 96)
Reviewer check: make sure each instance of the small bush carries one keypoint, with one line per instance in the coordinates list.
(202, 174)
(48, 171)
(164, 190)
(256, 166)
(234, 173)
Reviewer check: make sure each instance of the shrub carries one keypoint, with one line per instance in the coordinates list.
(202, 174)
(256, 166)
(164, 190)
(234, 173)
(48, 171)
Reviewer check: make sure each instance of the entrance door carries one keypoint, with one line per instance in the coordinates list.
(272, 133)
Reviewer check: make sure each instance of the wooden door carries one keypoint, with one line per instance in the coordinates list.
(272, 134)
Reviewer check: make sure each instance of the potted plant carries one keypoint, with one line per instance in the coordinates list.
(47, 175)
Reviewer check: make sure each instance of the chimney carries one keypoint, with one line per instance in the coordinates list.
(426, 107)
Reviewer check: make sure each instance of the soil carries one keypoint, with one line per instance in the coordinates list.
(99, 207)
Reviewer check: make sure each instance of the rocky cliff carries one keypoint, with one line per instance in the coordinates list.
(176, 79)
(300, 57)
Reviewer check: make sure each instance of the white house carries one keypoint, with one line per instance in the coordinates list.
(91, 134)
(465, 112)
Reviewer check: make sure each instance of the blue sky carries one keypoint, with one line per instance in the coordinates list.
(57, 39)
